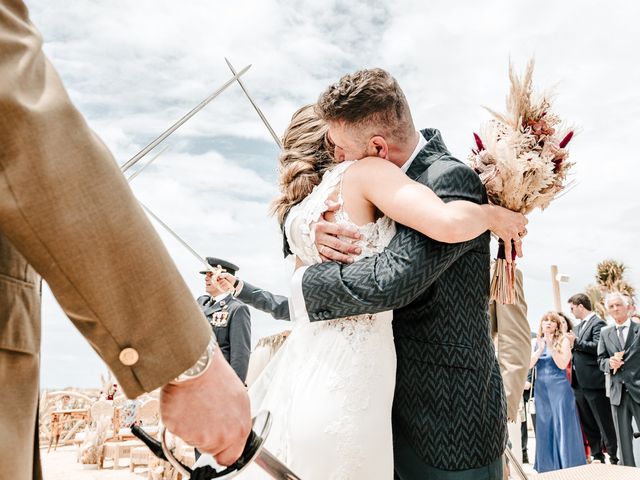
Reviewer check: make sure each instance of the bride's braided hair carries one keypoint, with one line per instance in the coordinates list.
(306, 155)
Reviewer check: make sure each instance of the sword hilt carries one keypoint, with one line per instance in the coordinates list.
(151, 443)
(251, 449)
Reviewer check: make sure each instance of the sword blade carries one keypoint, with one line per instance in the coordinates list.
(164, 225)
(516, 464)
(177, 237)
(131, 162)
(274, 467)
(257, 109)
(145, 165)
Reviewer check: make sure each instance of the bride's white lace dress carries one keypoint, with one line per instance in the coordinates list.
(330, 387)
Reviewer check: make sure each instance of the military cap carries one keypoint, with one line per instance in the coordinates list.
(228, 266)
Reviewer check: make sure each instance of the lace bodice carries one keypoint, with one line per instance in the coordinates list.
(375, 235)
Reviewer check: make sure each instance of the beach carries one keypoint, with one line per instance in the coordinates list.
(61, 464)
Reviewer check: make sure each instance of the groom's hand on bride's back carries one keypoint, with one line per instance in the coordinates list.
(330, 247)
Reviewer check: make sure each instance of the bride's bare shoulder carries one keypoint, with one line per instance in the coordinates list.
(372, 169)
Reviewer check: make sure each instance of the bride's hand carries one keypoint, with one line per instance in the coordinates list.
(509, 226)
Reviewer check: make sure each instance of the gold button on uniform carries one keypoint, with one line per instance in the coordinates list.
(129, 356)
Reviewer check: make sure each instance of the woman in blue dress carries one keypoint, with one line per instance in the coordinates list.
(558, 434)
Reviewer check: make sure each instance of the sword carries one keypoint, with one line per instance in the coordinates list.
(177, 237)
(164, 225)
(254, 451)
(145, 165)
(173, 128)
(131, 162)
(257, 109)
(516, 464)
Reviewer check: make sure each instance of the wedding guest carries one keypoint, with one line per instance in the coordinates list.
(566, 327)
(587, 381)
(565, 322)
(527, 394)
(558, 436)
(619, 355)
(633, 310)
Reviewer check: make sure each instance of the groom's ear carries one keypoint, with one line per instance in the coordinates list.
(377, 147)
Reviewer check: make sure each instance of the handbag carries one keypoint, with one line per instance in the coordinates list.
(531, 403)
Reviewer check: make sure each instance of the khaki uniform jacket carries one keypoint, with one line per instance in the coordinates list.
(67, 213)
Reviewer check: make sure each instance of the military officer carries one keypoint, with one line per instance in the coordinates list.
(229, 318)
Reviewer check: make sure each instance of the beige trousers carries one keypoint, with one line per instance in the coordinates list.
(20, 288)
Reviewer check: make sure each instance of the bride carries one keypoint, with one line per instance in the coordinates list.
(330, 387)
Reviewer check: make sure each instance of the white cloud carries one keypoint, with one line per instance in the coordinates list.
(133, 68)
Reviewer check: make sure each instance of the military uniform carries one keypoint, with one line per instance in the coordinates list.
(231, 322)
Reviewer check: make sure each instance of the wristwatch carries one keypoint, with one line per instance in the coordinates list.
(201, 365)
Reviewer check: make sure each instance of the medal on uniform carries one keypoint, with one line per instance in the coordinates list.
(221, 317)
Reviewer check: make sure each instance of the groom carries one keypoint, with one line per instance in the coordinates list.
(449, 419)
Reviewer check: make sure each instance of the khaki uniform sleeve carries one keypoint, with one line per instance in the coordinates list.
(68, 210)
(512, 335)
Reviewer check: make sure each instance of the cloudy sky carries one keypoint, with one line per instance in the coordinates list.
(133, 68)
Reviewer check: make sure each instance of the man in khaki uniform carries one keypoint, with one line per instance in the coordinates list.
(66, 212)
(512, 336)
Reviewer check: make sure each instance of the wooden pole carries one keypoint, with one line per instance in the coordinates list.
(556, 288)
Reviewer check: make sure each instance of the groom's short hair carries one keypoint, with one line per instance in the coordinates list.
(371, 99)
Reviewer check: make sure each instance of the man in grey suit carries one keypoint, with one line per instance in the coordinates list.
(449, 419)
(587, 380)
(619, 355)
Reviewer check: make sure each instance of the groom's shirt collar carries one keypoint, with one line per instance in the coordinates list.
(422, 142)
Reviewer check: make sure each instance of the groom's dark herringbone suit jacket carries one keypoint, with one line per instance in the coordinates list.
(449, 402)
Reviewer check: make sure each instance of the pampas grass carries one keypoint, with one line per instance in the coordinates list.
(522, 159)
(521, 155)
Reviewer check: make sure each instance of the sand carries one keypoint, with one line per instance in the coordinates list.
(61, 465)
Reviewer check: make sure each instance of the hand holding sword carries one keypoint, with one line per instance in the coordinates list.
(254, 451)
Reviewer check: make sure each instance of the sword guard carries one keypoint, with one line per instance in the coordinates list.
(261, 425)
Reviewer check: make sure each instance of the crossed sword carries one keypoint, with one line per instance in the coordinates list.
(254, 450)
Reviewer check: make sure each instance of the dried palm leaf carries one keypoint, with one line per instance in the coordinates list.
(608, 272)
